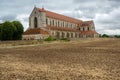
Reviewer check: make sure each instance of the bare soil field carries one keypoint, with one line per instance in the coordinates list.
(91, 59)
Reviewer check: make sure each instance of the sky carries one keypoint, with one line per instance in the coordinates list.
(105, 13)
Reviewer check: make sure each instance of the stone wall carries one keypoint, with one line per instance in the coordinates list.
(64, 34)
(41, 19)
(34, 37)
(60, 23)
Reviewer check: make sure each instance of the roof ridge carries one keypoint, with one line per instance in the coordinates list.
(64, 17)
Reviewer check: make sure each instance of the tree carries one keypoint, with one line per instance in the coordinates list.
(100, 35)
(19, 30)
(0, 31)
(117, 36)
(7, 31)
(105, 36)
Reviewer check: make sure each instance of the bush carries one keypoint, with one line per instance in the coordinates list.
(105, 36)
(11, 30)
(50, 38)
(19, 30)
(65, 39)
(7, 31)
(117, 36)
(0, 31)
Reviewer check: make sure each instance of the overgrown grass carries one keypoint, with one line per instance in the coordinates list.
(95, 60)
(65, 39)
(50, 38)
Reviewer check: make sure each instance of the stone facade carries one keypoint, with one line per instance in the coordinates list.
(59, 26)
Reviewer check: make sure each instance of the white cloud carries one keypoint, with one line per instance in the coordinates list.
(24, 20)
(112, 32)
(106, 14)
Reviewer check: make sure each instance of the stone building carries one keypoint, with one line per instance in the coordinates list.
(44, 23)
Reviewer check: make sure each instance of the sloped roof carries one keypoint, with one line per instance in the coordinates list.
(60, 16)
(88, 32)
(61, 28)
(87, 23)
(35, 31)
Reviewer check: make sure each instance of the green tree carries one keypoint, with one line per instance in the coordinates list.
(7, 31)
(100, 35)
(0, 31)
(117, 36)
(19, 30)
(105, 36)
(50, 38)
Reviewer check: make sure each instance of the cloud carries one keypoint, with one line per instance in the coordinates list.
(104, 13)
(24, 19)
(8, 17)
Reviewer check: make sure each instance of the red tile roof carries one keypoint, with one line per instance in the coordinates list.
(88, 32)
(66, 18)
(71, 30)
(60, 16)
(35, 31)
(61, 28)
(87, 23)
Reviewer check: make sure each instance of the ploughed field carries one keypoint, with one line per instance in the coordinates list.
(89, 59)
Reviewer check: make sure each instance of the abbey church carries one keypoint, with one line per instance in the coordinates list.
(44, 23)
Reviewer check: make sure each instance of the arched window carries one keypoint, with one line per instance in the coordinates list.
(58, 24)
(68, 35)
(53, 22)
(71, 35)
(63, 34)
(75, 35)
(46, 21)
(35, 22)
(83, 29)
(63, 24)
(58, 35)
(88, 28)
(50, 23)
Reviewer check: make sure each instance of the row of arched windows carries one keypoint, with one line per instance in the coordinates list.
(59, 23)
(63, 24)
(66, 35)
(84, 29)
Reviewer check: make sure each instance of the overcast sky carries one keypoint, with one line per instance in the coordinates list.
(105, 13)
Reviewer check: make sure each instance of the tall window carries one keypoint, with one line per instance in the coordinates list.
(83, 29)
(53, 22)
(58, 24)
(88, 28)
(75, 35)
(46, 21)
(63, 34)
(35, 22)
(71, 35)
(50, 22)
(63, 24)
(68, 35)
(58, 35)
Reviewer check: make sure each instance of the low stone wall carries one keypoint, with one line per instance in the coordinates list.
(34, 37)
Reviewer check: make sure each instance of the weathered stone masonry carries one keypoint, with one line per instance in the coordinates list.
(43, 23)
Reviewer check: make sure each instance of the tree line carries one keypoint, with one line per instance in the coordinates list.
(109, 36)
(11, 30)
